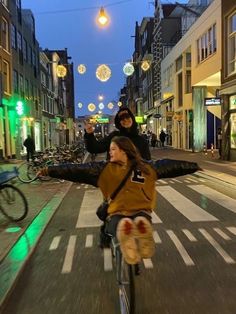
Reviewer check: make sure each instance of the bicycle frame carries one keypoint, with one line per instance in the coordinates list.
(125, 280)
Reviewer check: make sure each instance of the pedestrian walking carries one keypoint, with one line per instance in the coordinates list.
(129, 213)
(126, 126)
(162, 138)
(153, 140)
(30, 147)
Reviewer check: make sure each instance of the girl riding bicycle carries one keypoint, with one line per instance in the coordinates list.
(129, 214)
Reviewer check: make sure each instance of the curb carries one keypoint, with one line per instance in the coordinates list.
(16, 259)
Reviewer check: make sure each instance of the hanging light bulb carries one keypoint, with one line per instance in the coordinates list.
(102, 18)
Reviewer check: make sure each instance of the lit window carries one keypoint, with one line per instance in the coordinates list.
(232, 44)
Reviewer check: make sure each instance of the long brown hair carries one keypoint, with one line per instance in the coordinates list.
(125, 144)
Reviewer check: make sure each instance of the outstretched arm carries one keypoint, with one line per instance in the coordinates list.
(84, 173)
(170, 168)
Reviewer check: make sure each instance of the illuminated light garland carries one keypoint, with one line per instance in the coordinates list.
(61, 71)
(81, 68)
(145, 65)
(103, 73)
(119, 103)
(128, 69)
(91, 107)
(110, 105)
(101, 106)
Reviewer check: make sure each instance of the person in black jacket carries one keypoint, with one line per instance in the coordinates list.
(30, 147)
(127, 126)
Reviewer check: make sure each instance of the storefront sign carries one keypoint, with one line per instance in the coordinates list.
(139, 119)
(212, 101)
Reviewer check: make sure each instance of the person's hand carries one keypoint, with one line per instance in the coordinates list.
(88, 127)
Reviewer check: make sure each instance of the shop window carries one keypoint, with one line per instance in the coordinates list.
(233, 130)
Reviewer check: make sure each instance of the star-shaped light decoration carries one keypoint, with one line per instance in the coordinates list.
(110, 105)
(91, 107)
(61, 71)
(81, 68)
(103, 73)
(128, 69)
(80, 105)
(119, 103)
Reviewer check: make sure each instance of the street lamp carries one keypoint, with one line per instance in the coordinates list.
(102, 18)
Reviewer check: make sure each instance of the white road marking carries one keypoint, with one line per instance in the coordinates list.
(155, 218)
(181, 249)
(171, 181)
(222, 234)
(55, 243)
(186, 207)
(217, 247)
(189, 235)
(186, 181)
(192, 180)
(89, 240)
(67, 265)
(156, 237)
(78, 188)
(176, 180)
(202, 180)
(107, 259)
(162, 181)
(232, 230)
(87, 215)
(147, 263)
(217, 197)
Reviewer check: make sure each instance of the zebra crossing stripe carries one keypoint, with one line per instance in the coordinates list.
(217, 197)
(156, 237)
(181, 249)
(189, 235)
(107, 259)
(55, 243)
(147, 263)
(232, 230)
(155, 218)
(186, 207)
(171, 181)
(222, 234)
(89, 240)
(186, 181)
(217, 247)
(68, 261)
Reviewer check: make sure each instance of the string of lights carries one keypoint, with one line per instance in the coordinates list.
(80, 9)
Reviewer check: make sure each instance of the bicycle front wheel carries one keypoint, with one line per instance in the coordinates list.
(126, 287)
(27, 172)
(13, 203)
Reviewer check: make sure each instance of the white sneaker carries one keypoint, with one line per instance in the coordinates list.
(126, 233)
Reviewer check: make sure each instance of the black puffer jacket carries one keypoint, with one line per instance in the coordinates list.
(89, 172)
(95, 146)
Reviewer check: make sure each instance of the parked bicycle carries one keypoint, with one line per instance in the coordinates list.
(13, 203)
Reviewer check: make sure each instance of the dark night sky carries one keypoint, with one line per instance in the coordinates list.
(71, 24)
